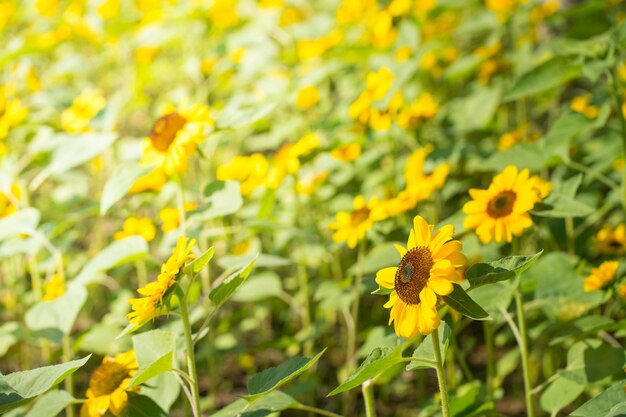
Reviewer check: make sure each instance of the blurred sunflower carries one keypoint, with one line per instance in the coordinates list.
(601, 276)
(250, 171)
(501, 211)
(427, 269)
(107, 385)
(85, 107)
(174, 138)
(351, 226)
(141, 226)
(8, 202)
(53, 288)
(612, 240)
(347, 152)
(152, 303)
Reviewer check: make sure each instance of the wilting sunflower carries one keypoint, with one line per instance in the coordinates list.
(107, 385)
(601, 276)
(428, 267)
(174, 138)
(501, 211)
(152, 303)
(352, 226)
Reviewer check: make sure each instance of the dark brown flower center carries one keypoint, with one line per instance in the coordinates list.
(165, 129)
(502, 204)
(107, 378)
(413, 274)
(359, 216)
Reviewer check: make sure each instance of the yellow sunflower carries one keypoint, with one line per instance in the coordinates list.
(151, 304)
(53, 288)
(601, 276)
(8, 202)
(352, 226)
(501, 211)
(428, 268)
(612, 240)
(107, 385)
(175, 136)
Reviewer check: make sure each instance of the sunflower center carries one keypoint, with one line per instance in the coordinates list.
(502, 204)
(165, 129)
(107, 378)
(359, 216)
(413, 274)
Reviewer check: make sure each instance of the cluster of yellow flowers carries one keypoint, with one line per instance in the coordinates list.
(12, 110)
(85, 107)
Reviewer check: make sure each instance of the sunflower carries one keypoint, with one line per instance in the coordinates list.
(134, 226)
(174, 138)
(107, 385)
(612, 240)
(428, 268)
(501, 211)
(601, 276)
(9, 201)
(152, 303)
(352, 226)
(53, 288)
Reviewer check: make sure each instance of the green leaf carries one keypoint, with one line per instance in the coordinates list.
(582, 326)
(117, 253)
(463, 303)
(550, 74)
(51, 404)
(155, 355)
(500, 270)
(494, 297)
(476, 110)
(194, 267)
(382, 291)
(272, 378)
(58, 314)
(560, 393)
(17, 387)
(21, 222)
(591, 360)
(426, 349)
(259, 287)
(559, 206)
(378, 361)
(225, 290)
(9, 336)
(238, 115)
(270, 403)
(118, 185)
(220, 199)
(142, 406)
(610, 403)
(163, 389)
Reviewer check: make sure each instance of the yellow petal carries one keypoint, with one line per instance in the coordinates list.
(422, 231)
(440, 286)
(401, 249)
(428, 297)
(386, 277)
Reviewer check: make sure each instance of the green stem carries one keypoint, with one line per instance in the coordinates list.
(351, 353)
(191, 362)
(488, 332)
(441, 376)
(569, 231)
(530, 412)
(303, 282)
(620, 115)
(69, 381)
(368, 398)
(318, 411)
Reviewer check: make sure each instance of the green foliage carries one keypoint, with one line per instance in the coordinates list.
(464, 304)
(155, 351)
(220, 294)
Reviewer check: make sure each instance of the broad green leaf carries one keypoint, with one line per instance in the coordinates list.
(591, 360)
(272, 402)
(259, 287)
(378, 361)
(550, 74)
(194, 267)
(9, 336)
(426, 350)
(51, 404)
(559, 207)
(500, 270)
(494, 297)
(21, 222)
(476, 110)
(58, 314)
(609, 403)
(117, 253)
(225, 290)
(155, 354)
(270, 379)
(118, 185)
(560, 393)
(469, 400)
(582, 326)
(163, 389)
(17, 387)
(142, 406)
(220, 199)
(463, 303)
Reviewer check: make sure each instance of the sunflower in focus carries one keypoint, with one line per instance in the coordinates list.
(612, 240)
(155, 293)
(107, 385)
(430, 264)
(351, 226)
(601, 276)
(501, 211)
(175, 136)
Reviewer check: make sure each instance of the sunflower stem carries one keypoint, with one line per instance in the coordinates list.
(351, 354)
(368, 398)
(69, 381)
(441, 376)
(191, 362)
(488, 332)
(620, 115)
(530, 412)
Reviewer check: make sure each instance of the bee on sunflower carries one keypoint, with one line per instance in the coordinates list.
(430, 264)
(156, 293)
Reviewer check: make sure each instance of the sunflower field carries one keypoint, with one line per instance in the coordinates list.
(312, 208)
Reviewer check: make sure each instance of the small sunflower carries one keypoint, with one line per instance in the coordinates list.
(428, 268)
(53, 288)
(352, 226)
(107, 385)
(174, 138)
(9, 201)
(612, 240)
(601, 276)
(152, 303)
(501, 211)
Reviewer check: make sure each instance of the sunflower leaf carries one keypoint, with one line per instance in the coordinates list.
(500, 270)
(463, 303)
(51, 404)
(118, 185)
(225, 290)
(194, 267)
(155, 352)
(425, 350)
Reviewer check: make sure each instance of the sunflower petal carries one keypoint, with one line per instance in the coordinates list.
(386, 277)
